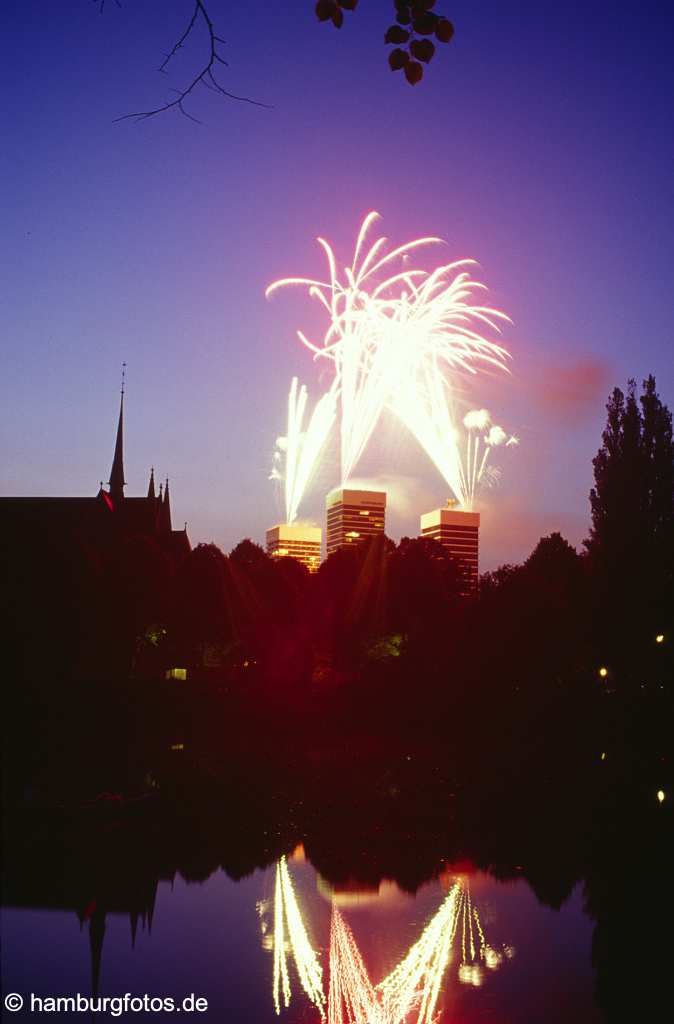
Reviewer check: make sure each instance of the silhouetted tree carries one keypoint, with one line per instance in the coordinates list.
(260, 585)
(249, 555)
(201, 607)
(426, 587)
(495, 580)
(350, 605)
(535, 616)
(631, 542)
(553, 582)
(617, 500)
(553, 568)
(294, 581)
(658, 456)
(267, 596)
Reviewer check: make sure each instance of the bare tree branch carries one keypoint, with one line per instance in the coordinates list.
(182, 39)
(204, 77)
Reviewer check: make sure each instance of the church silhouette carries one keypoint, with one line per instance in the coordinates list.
(102, 521)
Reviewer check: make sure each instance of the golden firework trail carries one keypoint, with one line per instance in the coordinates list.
(352, 998)
(410, 993)
(290, 932)
(297, 453)
(414, 986)
(426, 411)
(388, 338)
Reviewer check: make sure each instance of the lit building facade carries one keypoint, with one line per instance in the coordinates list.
(300, 542)
(459, 533)
(354, 516)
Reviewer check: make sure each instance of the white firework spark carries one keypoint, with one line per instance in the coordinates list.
(397, 335)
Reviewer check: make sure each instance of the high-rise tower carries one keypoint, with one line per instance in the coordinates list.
(458, 532)
(353, 516)
(294, 541)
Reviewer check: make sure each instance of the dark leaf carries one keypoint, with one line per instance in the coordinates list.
(338, 17)
(425, 24)
(398, 59)
(422, 49)
(444, 30)
(403, 17)
(325, 9)
(396, 34)
(348, 5)
(413, 72)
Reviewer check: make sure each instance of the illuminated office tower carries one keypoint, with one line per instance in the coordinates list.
(459, 533)
(300, 542)
(354, 516)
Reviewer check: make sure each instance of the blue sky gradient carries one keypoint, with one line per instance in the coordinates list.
(541, 143)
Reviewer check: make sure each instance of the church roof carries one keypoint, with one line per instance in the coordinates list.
(176, 543)
(99, 519)
(139, 515)
(37, 517)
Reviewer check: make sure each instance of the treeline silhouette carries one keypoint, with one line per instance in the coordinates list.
(380, 643)
(76, 611)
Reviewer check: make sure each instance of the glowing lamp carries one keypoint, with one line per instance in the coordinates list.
(660, 638)
(603, 672)
(660, 795)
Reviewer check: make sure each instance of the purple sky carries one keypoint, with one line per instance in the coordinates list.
(541, 144)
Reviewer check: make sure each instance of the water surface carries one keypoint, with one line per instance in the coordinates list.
(511, 959)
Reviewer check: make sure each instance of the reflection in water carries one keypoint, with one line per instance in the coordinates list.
(414, 985)
(359, 894)
(288, 922)
(409, 992)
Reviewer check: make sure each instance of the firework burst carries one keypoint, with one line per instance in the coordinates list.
(297, 453)
(482, 436)
(396, 336)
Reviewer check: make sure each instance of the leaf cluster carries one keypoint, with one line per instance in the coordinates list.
(416, 22)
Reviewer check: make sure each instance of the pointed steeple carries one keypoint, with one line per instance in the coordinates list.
(117, 481)
(150, 490)
(166, 510)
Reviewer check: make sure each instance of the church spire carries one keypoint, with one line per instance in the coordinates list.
(117, 480)
(150, 490)
(166, 509)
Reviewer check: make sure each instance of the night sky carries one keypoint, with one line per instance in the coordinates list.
(541, 143)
